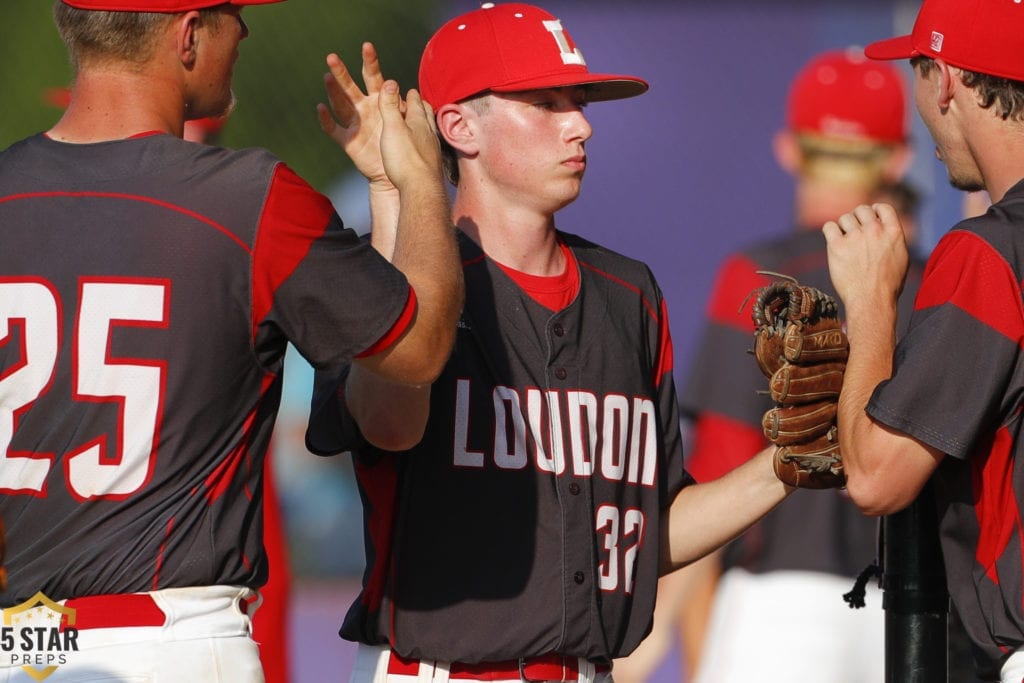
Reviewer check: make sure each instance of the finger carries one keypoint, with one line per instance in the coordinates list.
(848, 223)
(416, 101)
(418, 112)
(886, 214)
(832, 231)
(866, 215)
(327, 123)
(390, 103)
(372, 77)
(342, 91)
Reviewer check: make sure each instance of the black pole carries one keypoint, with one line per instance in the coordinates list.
(916, 600)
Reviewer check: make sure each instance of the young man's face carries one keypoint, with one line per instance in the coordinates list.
(532, 144)
(217, 55)
(944, 125)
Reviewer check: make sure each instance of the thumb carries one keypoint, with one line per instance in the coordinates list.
(390, 102)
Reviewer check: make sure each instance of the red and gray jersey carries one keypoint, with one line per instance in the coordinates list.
(148, 289)
(725, 396)
(527, 521)
(958, 386)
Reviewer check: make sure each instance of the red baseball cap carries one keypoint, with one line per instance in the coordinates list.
(163, 6)
(986, 36)
(843, 94)
(510, 47)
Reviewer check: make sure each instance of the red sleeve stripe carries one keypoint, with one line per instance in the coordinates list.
(728, 304)
(967, 272)
(998, 515)
(397, 330)
(294, 217)
(134, 198)
(664, 362)
(633, 288)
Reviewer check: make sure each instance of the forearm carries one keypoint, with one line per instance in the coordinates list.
(391, 416)
(385, 207)
(885, 469)
(871, 331)
(704, 517)
(425, 250)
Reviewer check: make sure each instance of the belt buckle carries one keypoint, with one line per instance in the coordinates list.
(524, 679)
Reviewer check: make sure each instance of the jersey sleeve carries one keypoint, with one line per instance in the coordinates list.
(721, 394)
(328, 292)
(968, 321)
(331, 429)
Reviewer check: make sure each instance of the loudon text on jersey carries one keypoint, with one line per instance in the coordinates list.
(613, 436)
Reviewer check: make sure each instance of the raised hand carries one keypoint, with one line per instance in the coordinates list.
(409, 145)
(353, 119)
(392, 142)
(867, 256)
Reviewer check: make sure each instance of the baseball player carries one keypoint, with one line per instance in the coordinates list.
(945, 403)
(541, 490)
(270, 621)
(148, 289)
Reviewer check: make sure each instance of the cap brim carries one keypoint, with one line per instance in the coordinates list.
(600, 87)
(900, 47)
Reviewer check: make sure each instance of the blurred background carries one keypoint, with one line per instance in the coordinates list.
(677, 178)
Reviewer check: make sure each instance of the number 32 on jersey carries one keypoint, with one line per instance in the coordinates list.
(32, 309)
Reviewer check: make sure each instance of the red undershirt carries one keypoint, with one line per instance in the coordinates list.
(553, 292)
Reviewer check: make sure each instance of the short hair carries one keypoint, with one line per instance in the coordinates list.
(449, 157)
(1006, 94)
(845, 161)
(93, 36)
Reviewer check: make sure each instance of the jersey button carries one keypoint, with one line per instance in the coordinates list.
(578, 577)
(574, 489)
(560, 373)
(558, 330)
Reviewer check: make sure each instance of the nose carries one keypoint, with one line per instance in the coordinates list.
(577, 126)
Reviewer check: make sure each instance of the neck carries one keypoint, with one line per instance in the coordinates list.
(513, 236)
(116, 104)
(1005, 168)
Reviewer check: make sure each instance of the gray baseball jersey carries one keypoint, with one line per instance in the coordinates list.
(527, 520)
(148, 289)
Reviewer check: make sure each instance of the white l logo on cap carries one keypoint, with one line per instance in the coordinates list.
(936, 43)
(568, 56)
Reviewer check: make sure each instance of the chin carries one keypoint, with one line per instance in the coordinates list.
(966, 184)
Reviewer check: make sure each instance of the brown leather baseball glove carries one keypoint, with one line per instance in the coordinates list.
(800, 345)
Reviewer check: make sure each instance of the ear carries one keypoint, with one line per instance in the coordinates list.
(455, 125)
(186, 37)
(787, 152)
(948, 81)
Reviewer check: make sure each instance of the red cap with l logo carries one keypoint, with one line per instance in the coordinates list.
(510, 47)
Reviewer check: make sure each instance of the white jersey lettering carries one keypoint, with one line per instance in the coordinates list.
(613, 437)
(462, 456)
(618, 432)
(583, 444)
(508, 418)
(552, 460)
